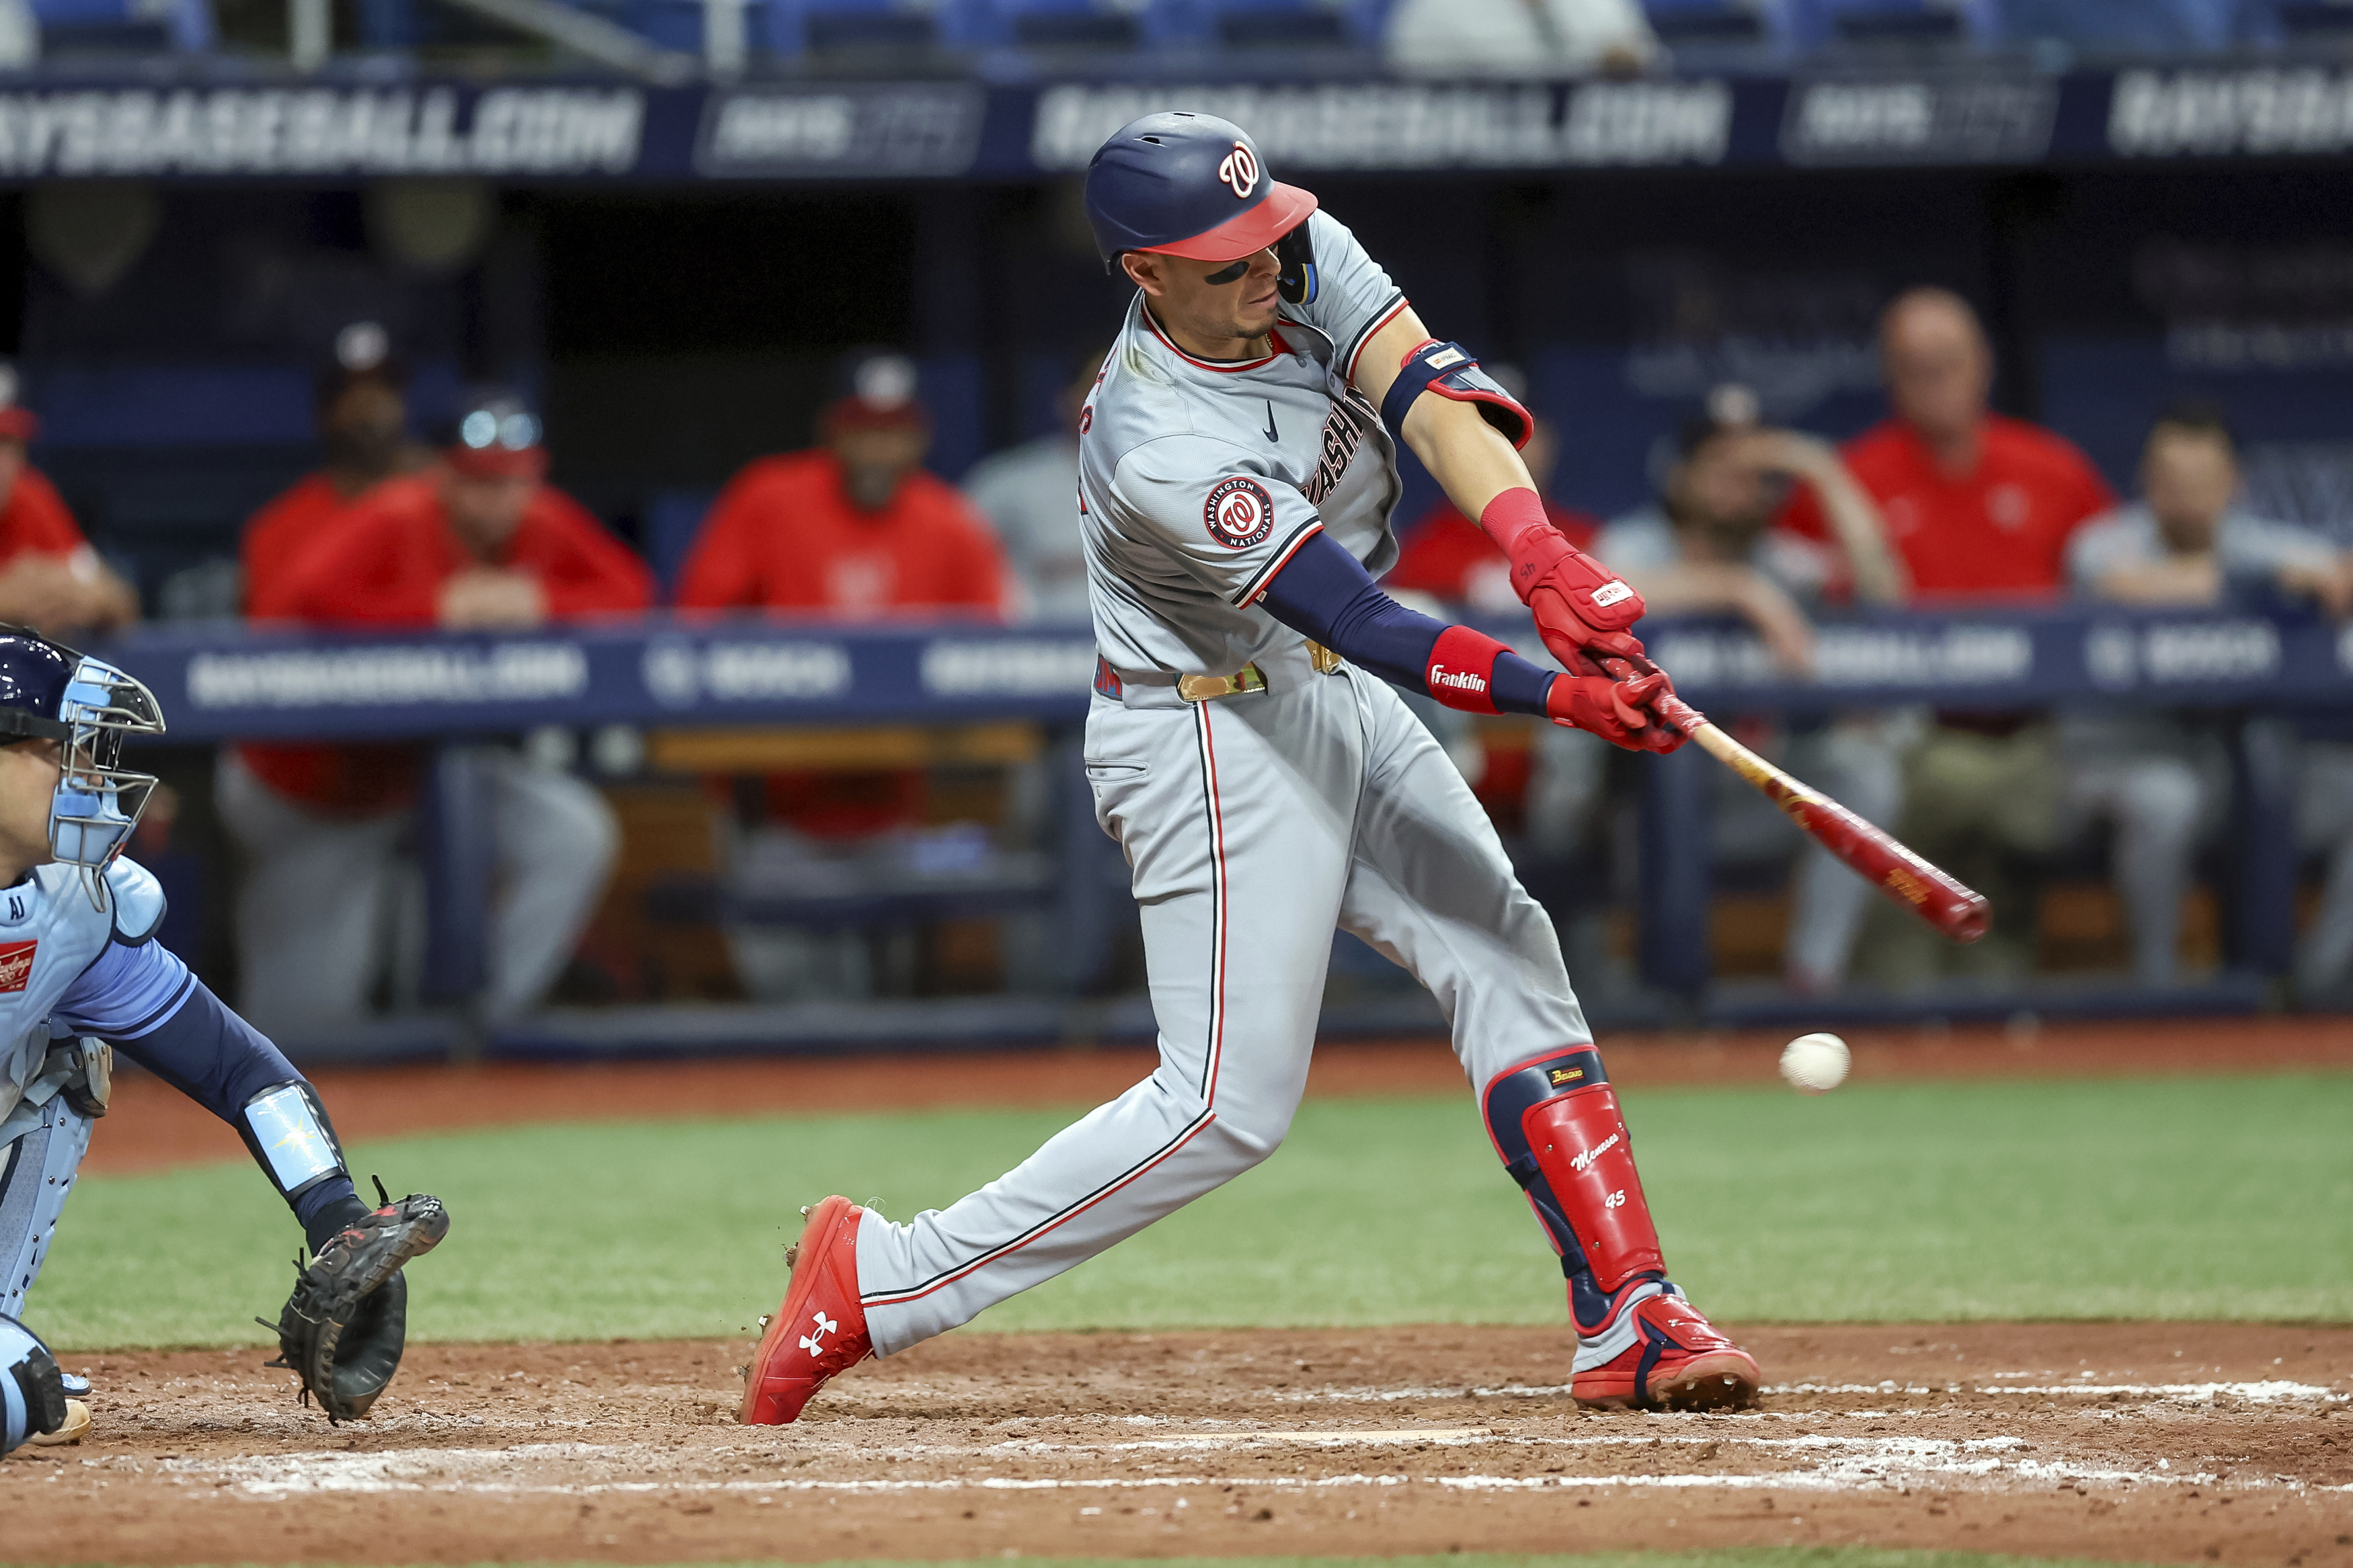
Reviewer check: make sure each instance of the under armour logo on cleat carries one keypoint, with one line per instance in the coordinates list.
(814, 1341)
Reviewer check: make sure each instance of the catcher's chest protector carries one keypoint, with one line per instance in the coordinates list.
(48, 935)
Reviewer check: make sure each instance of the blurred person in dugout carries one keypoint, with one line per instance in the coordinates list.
(2163, 779)
(853, 528)
(479, 542)
(361, 410)
(1707, 546)
(1029, 494)
(1977, 506)
(51, 579)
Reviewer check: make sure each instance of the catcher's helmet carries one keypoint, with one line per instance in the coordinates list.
(1188, 184)
(48, 691)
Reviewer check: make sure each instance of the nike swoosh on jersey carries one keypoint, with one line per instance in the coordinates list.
(1272, 434)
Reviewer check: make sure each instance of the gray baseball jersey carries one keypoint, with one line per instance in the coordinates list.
(1198, 479)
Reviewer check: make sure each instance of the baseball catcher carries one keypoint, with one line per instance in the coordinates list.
(82, 977)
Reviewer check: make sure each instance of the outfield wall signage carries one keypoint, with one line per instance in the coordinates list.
(814, 131)
(322, 132)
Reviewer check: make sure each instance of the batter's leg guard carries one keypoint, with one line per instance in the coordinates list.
(1555, 1123)
(37, 1173)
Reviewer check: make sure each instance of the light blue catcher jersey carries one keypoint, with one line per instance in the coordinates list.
(1197, 479)
(49, 937)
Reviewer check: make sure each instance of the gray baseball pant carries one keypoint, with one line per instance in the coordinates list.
(1255, 825)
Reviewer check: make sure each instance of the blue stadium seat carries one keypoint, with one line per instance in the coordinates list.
(2155, 26)
(125, 26)
(1685, 23)
(793, 27)
(1265, 24)
(1814, 23)
(1071, 24)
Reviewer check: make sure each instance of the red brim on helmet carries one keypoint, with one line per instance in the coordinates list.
(1246, 233)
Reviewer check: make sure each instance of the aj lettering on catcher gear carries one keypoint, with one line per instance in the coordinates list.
(1266, 792)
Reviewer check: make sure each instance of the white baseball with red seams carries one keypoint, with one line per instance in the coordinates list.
(1815, 1064)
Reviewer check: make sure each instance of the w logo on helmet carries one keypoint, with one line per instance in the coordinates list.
(1240, 170)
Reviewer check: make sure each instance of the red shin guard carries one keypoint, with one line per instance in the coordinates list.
(1580, 1144)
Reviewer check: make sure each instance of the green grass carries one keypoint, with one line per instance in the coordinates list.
(2171, 1198)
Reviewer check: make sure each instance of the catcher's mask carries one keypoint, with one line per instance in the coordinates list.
(48, 691)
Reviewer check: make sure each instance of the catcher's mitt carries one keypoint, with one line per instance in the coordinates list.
(343, 1330)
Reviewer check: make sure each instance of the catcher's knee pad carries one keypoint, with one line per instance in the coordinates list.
(36, 1173)
(1555, 1122)
(32, 1389)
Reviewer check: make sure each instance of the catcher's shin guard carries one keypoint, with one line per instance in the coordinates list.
(820, 1331)
(1555, 1123)
(32, 1391)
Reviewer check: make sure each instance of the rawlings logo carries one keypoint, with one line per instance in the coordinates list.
(1240, 170)
(1584, 1161)
(1460, 679)
(1240, 513)
(17, 963)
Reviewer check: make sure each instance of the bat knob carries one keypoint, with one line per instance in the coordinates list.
(1966, 919)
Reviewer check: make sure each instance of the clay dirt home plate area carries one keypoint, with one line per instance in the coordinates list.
(2150, 1442)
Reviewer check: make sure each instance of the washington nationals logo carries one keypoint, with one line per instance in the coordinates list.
(1240, 513)
(1240, 170)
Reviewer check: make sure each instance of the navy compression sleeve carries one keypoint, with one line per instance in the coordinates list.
(1325, 593)
(143, 1002)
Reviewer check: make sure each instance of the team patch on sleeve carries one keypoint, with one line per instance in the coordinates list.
(1240, 513)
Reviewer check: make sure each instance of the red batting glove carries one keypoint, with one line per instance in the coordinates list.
(1617, 710)
(1578, 604)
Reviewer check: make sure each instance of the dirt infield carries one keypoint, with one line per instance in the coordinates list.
(154, 1127)
(2157, 1442)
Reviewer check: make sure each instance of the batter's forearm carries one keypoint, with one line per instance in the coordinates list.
(1469, 458)
(1324, 592)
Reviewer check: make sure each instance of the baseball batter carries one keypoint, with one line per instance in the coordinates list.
(1237, 465)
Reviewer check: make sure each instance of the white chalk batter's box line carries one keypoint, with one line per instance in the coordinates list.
(1843, 1465)
(2266, 1392)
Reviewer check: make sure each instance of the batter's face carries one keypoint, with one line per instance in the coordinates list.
(1216, 320)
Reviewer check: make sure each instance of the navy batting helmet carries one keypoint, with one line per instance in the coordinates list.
(1188, 184)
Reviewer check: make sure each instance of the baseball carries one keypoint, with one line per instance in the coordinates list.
(1814, 1064)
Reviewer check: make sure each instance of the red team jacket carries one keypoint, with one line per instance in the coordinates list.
(2002, 529)
(783, 536)
(36, 520)
(381, 560)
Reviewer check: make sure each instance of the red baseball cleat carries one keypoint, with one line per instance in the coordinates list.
(1666, 1357)
(820, 1329)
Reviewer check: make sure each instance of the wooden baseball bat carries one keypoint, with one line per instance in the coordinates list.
(1929, 891)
